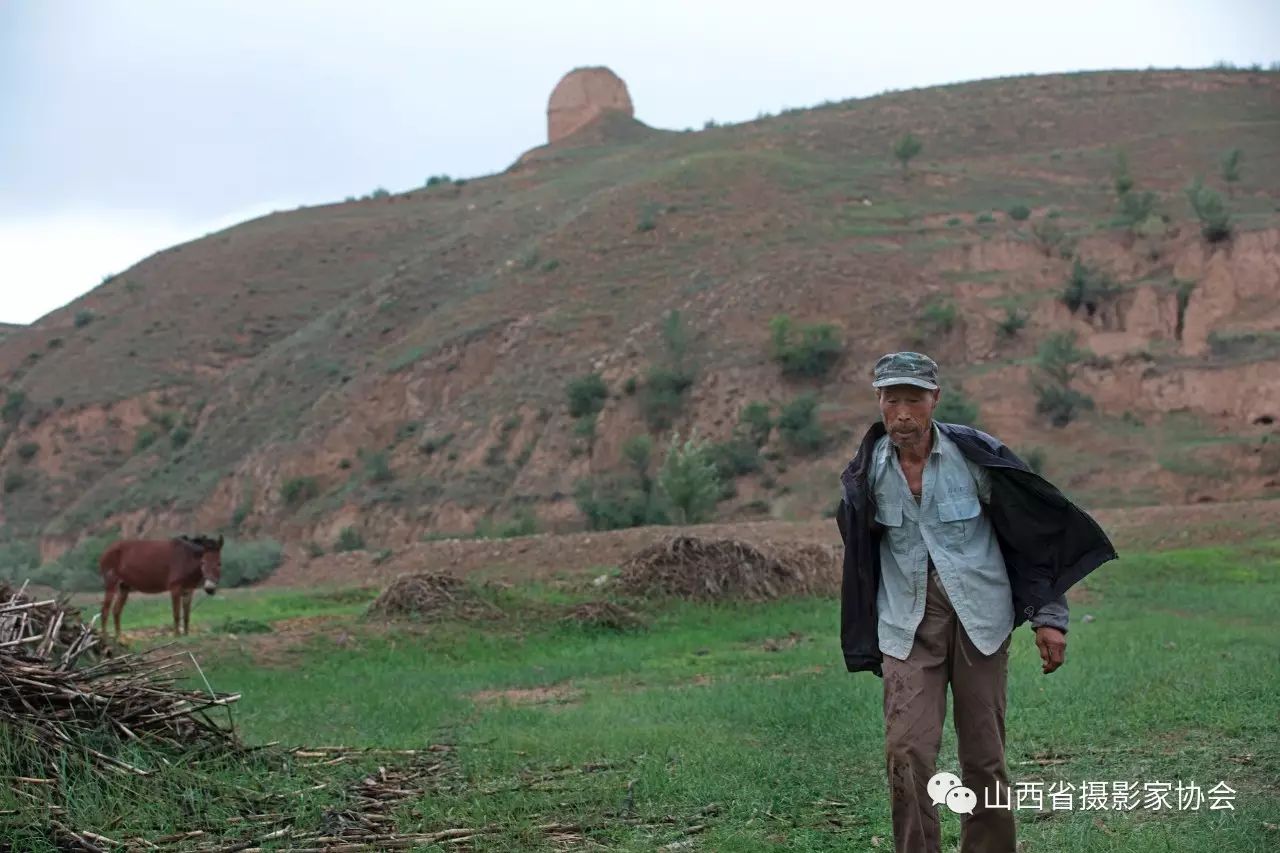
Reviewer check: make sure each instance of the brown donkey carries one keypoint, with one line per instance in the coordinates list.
(177, 565)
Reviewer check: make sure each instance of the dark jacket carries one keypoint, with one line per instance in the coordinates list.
(1048, 542)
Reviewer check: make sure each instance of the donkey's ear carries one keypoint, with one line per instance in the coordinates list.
(219, 548)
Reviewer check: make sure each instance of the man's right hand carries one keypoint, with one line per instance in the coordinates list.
(1053, 647)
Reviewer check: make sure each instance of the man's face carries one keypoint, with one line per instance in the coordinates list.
(907, 412)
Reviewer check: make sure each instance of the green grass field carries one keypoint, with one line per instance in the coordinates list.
(735, 726)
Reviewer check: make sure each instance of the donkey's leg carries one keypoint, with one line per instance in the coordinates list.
(108, 598)
(175, 596)
(122, 595)
(186, 610)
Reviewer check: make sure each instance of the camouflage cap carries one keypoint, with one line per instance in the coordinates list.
(906, 368)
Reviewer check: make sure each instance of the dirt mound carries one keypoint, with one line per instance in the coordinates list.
(602, 615)
(429, 596)
(710, 570)
(581, 96)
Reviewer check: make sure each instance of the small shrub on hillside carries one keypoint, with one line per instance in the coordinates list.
(1123, 181)
(756, 422)
(1048, 235)
(83, 318)
(938, 318)
(1136, 208)
(298, 490)
(955, 407)
(638, 453)
(1035, 459)
(1215, 220)
(523, 523)
(145, 438)
(616, 503)
(436, 180)
(18, 559)
(587, 395)
(432, 443)
(77, 569)
(813, 355)
(1056, 362)
(905, 149)
(584, 428)
(179, 437)
(629, 387)
(14, 404)
(377, 469)
(662, 397)
(1061, 405)
(798, 424)
(28, 450)
(689, 481)
(349, 539)
(241, 512)
(1012, 322)
(380, 192)
(954, 221)
(1231, 167)
(1019, 213)
(1087, 288)
(735, 457)
(245, 563)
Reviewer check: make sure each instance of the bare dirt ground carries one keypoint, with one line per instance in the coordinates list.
(551, 556)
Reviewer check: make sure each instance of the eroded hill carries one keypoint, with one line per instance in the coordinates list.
(398, 366)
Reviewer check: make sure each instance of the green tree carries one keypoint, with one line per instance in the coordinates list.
(689, 480)
(665, 385)
(756, 422)
(955, 407)
(1120, 173)
(905, 149)
(1087, 287)
(1056, 363)
(813, 355)
(1215, 219)
(798, 423)
(587, 395)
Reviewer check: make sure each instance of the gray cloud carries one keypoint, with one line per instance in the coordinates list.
(158, 119)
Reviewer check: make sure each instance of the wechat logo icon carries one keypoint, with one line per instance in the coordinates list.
(946, 788)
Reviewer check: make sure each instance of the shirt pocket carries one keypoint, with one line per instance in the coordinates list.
(889, 514)
(959, 517)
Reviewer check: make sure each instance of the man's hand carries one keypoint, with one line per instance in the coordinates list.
(1053, 647)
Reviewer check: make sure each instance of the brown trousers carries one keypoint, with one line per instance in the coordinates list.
(915, 704)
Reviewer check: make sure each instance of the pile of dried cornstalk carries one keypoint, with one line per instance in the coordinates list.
(428, 596)
(58, 685)
(714, 569)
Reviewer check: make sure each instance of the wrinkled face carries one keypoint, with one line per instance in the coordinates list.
(907, 412)
(211, 564)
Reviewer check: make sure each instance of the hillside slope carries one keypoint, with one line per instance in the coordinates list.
(399, 366)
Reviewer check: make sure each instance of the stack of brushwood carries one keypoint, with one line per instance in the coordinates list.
(62, 687)
(430, 596)
(714, 569)
(54, 680)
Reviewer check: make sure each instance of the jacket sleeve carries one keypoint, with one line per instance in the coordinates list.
(1053, 615)
(842, 522)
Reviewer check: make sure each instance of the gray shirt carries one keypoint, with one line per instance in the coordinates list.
(948, 525)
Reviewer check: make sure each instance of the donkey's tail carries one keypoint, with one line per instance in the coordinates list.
(110, 559)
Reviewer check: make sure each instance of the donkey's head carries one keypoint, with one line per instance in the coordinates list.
(210, 562)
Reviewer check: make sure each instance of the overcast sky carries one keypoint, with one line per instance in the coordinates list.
(129, 125)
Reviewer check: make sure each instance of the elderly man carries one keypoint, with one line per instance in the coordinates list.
(950, 542)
